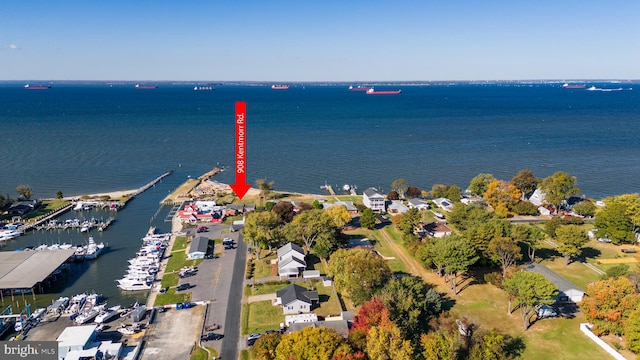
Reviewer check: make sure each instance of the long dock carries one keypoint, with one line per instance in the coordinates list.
(150, 184)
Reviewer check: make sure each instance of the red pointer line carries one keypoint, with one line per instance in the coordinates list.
(241, 187)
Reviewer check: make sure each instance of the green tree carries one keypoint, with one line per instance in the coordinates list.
(411, 304)
(409, 221)
(530, 289)
(260, 230)
(312, 343)
(609, 304)
(491, 345)
(451, 192)
(400, 185)
(25, 191)
(504, 251)
(613, 222)
(616, 271)
(481, 234)
(632, 331)
(339, 214)
(525, 182)
(457, 255)
(358, 273)
(368, 219)
(59, 195)
(265, 189)
(464, 216)
(387, 343)
(558, 187)
(530, 236)
(478, 185)
(631, 205)
(317, 205)
(438, 345)
(309, 226)
(585, 208)
(572, 238)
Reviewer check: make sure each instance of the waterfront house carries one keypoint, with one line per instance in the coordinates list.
(444, 203)
(418, 204)
(290, 260)
(537, 198)
(22, 207)
(397, 207)
(192, 213)
(198, 248)
(296, 299)
(351, 208)
(373, 200)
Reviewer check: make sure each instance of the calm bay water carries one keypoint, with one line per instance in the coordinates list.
(83, 139)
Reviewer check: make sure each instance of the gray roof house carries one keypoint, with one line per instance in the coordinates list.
(373, 200)
(198, 248)
(296, 299)
(568, 292)
(397, 207)
(290, 260)
(444, 203)
(418, 204)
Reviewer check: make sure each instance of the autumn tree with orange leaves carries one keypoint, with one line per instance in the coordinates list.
(609, 305)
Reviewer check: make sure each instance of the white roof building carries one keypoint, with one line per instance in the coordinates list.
(373, 200)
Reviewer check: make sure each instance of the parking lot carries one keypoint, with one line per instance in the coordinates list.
(173, 334)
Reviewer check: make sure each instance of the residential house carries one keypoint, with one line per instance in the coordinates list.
(296, 299)
(418, 204)
(537, 198)
(290, 260)
(444, 203)
(373, 200)
(198, 248)
(22, 207)
(234, 209)
(351, 208)
(568, 292)
(397, 207)
(435, 229)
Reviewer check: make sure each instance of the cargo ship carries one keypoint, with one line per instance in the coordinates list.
(138, 86)
(567, 86)
(359, 88)
(280, 87)
(372, 91)
(203, 88)
(37, 87)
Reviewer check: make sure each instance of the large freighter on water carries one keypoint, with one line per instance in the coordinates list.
(372, 91)
(280, 87)
(37, 87)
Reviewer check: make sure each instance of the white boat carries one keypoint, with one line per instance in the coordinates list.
(108, 314)
(134, 285)
(86, 226)
(88, 315)
(127, 330)
(76, 303)
(36, 315)
(93, 250)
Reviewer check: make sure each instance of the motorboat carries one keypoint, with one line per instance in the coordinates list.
(93, 250)
(108, 314)
(134, 285)
(88, 315)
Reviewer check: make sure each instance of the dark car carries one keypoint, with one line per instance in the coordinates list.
(211, 336)
(210, 256)
(184, 286)
(202, 229)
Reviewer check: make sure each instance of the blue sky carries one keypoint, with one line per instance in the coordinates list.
(319, 40)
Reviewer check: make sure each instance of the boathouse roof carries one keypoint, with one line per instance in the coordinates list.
(25, 269)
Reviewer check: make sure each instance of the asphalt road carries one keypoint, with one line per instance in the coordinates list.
(231, 342)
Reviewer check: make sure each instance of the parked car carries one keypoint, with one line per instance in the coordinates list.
(211, 336)
(184, 286)
(251, 339)
(210, 256)
(202, 229)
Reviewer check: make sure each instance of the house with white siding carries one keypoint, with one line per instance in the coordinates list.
(373, 200)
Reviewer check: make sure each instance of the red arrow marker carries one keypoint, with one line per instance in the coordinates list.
(241, 187)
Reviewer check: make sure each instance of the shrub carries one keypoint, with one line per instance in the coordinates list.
(494, 278)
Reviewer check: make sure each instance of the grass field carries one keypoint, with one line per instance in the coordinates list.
(329, 302)
(260, 316)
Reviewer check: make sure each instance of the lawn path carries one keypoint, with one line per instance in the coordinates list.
(413, 266)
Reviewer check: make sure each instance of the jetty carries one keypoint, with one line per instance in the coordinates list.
(329, 188)
(186, 191)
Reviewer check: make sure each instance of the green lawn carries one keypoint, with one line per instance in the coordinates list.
(262, 268)
(260, 316)
(260, 289)
(171, 297)
(329, 302)
(395, 265)
(46, 207)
